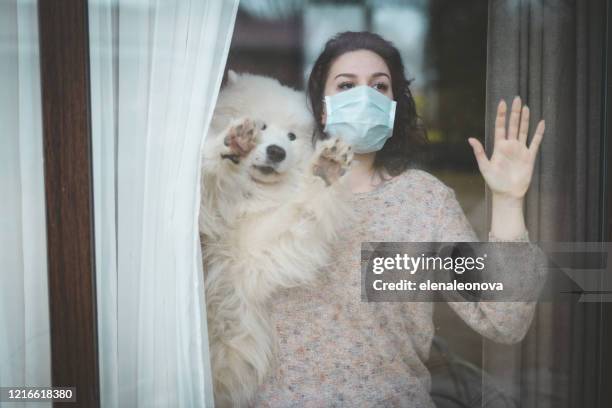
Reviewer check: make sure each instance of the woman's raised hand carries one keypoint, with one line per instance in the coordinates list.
(508, 172)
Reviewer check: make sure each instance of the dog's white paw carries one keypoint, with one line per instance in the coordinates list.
(242, 139)
(332, 159)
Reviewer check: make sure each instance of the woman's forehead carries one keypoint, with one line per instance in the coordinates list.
(362, 63)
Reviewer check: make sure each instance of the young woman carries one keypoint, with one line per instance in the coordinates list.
(335, 350)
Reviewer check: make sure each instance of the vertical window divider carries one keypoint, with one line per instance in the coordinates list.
(64, 67)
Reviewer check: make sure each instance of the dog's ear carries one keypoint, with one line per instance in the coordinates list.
(232, 77)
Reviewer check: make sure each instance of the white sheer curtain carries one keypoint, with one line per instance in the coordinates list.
(156, 68)
(24, 313)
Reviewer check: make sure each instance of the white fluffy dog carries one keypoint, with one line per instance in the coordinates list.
(270, 207)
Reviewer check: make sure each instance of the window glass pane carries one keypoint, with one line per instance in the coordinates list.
(463, 58)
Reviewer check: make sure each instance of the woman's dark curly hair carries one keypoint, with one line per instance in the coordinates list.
(409, 136)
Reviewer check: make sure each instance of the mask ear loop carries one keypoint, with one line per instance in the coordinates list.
(327, 109)
(314, 138)
(315, 133)
(392, 114)
(324, 111)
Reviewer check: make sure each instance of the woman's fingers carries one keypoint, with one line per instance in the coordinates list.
(479, 152)
(500, 121)
(537, 138)
(524, 129)
(515, 115)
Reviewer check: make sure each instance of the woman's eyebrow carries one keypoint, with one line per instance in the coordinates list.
(374, 75)
(377, 74)
(346, 75)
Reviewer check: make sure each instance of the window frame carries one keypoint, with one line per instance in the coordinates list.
(64, 70)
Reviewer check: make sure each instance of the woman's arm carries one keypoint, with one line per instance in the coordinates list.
(508, 175)
(507, 219)
(504, 322)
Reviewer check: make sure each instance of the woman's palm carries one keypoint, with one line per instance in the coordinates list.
(509, 170)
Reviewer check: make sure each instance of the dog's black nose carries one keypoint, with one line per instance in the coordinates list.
(275, 153)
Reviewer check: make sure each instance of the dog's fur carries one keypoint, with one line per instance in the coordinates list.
(265, 224)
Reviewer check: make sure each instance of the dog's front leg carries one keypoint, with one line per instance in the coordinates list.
(324, 201)
(222, 174)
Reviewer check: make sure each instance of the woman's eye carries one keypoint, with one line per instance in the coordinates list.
(381, 86)
(291, 136)
(345, 85)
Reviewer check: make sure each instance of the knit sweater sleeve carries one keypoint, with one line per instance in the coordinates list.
(504, 322)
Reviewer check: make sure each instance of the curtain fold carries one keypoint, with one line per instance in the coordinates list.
(550, 53)
(156, 69)
(25, 350)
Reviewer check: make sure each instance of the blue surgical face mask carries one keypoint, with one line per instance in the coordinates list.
(361, 116)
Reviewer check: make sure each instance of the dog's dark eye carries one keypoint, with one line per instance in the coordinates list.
(291, 136)
(264, 126)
